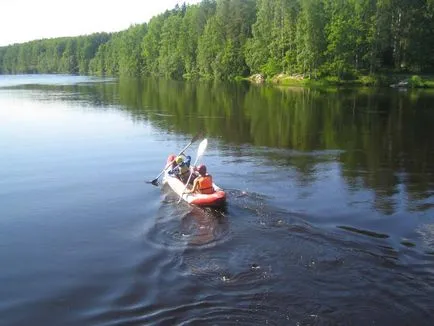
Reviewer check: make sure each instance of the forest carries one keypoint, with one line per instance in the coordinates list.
(227, 39)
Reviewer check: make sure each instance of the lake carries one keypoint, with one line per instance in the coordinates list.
(329, 220)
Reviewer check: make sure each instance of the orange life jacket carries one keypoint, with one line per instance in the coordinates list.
(205, 184)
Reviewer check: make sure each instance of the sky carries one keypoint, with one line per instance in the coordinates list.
(27, 20)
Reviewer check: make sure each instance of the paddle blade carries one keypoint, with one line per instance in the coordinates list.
(201, 150)
(154, 182)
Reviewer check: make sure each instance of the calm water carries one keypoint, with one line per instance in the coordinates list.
(330, 215)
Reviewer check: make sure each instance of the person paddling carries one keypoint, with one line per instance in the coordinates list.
(203, 183)
(182, 168)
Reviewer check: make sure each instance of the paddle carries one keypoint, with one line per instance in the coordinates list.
(202, 147)
(155, 181)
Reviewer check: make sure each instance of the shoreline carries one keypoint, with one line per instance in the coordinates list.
(406, 81)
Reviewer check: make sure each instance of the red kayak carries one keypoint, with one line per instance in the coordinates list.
(216, 199)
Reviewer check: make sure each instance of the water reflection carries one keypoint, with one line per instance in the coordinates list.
(383, 138)
(305, 238)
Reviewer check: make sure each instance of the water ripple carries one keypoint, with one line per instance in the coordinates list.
(181, 226)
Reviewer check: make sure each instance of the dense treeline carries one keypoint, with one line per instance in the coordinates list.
(222, 39)
(70, 55)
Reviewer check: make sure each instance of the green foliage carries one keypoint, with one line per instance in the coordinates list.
(61, 55)
(151, 44)
(310, 37)
(222, 39)
(369, 80)
(416, 81)
(170, 63)
(208, 47)
(220, 48)
(271, 68)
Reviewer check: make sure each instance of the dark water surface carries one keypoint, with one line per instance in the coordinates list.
(330, 215)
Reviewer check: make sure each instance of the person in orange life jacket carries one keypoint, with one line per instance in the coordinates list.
(203, 183)
(182, 169)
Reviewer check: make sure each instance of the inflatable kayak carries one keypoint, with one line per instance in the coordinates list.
(216, 199)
